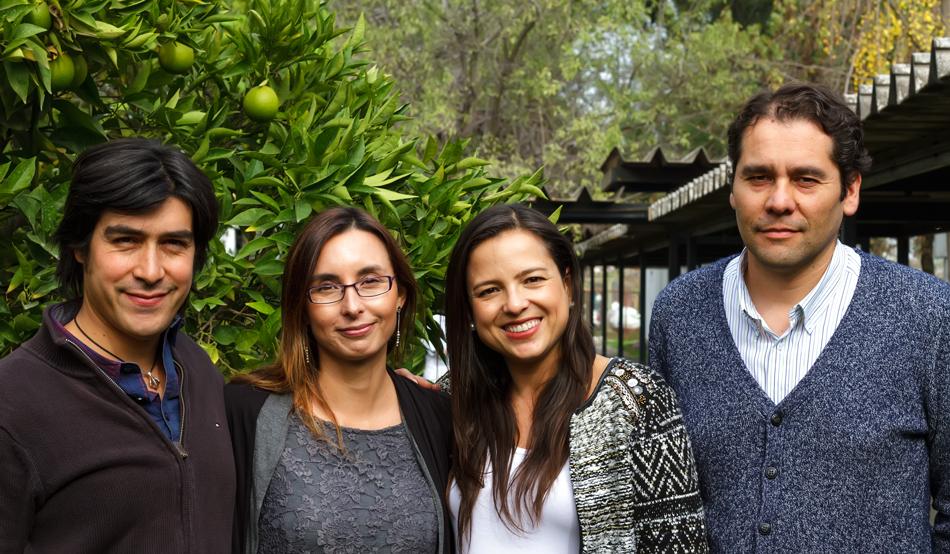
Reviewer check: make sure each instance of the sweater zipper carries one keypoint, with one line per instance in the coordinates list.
(435, 496)
(115, 386)
(187, 508)
(180, 443)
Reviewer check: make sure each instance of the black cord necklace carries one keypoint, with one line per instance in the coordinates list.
(153, 381)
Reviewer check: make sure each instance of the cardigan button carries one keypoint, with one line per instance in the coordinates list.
(771, 472)
(776, 419)
(765, 528)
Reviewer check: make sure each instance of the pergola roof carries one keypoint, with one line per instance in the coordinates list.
(656, 172)
(584, 209)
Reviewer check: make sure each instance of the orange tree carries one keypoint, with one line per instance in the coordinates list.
(317, 130)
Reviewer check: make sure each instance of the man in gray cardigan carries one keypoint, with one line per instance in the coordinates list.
(814, 378)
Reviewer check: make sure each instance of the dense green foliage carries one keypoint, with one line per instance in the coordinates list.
(333, 141)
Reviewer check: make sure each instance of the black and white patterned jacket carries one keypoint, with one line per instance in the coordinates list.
(632, 469)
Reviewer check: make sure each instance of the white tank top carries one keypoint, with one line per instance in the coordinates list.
(557, 532)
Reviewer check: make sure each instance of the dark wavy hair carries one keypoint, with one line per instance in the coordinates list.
(483, 421)
(812, 103)
(132, 176)
(291, 373)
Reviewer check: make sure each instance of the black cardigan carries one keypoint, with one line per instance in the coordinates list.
(428, 416)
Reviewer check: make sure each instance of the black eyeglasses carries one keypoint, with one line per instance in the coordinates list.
(367, 287)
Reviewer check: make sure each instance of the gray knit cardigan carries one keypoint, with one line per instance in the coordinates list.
(632, 469)
(849, 459)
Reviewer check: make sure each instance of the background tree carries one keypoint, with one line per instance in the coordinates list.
(318, 130)
(558, 84)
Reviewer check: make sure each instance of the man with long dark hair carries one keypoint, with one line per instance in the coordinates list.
(814, 378)
(113, 436)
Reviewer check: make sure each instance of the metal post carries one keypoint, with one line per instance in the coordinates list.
(849, 231)
(620, 315)
(643, 307)
(590, 306)
(903, 250)
(674, 265)
(691, 253)
(603, 309)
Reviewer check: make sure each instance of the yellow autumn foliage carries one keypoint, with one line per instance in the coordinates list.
(890, 32)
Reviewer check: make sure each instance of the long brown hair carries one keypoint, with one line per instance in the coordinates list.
(484, 423)
(291, 373)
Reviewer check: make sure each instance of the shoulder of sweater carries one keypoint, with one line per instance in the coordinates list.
(438, 400)
(244, 395)
(633, 374)
(696, 282)
(906, 284)
(645, 393)
(24, 374)
(11, 365)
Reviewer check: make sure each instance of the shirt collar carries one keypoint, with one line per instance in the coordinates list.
(816, 301)
(61, 314)
(807, 310)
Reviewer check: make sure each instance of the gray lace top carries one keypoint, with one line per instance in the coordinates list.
(372, 498)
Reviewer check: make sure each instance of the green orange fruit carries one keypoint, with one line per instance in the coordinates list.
(80, 71)
(175, 57)
(62, 71)
(39, 15)
(261, 103)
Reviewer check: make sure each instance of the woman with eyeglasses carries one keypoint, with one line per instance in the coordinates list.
(332, 453)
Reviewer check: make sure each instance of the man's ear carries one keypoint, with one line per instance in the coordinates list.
(852, 196)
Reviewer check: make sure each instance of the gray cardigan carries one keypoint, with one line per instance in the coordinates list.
(259, 420)
(848, 461)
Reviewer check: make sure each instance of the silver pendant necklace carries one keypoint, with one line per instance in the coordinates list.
(153, 381)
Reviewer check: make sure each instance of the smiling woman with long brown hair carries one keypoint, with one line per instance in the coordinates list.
(332, 453)
(558, 449)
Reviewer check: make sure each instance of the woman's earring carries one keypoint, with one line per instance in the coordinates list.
(306, 354)
(398, 311)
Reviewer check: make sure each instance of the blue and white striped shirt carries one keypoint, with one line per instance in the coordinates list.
(778, 363)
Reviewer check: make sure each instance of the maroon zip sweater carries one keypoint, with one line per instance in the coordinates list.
(83, 468)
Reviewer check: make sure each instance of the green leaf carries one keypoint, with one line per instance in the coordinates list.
(555, 215)
(391, 195)
(26, 30)
(358, 31)
(19, 179)
(18, 75)
(265, 199)
(249, 217)
(264, 180)
(253, 247)
(269, 268)
(469, 163)
(225, 335)
(262, 307)
(302, 209)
